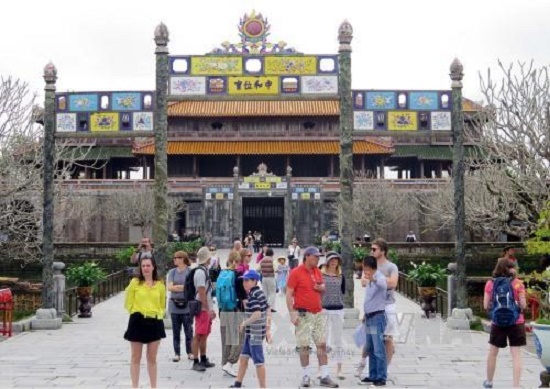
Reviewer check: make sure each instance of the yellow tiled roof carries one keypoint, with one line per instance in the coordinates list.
(263, 148)
(233, 108)
(230, 108)
(471, 106)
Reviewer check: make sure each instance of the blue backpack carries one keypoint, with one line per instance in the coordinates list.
(226, 294)
(504, 310)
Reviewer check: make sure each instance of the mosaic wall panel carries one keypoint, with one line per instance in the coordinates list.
(262, 183)
(188, 86)
(143, 121)
(441, 121)
(380, 100)
(228, 75)
(319, 84)
(306, 193)
(219, 193)
(104, 111)
(363, 120)
(130, 101)
(423, 100)
(402, 121)
(214, 65)
(66, 122)
(104, 121)
(84, 102)
(402, 110)
(250, 85)
(290, 65)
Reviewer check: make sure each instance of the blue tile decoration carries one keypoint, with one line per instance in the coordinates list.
(126, 101)
(380, 100)
(84, 102)
(423, 101)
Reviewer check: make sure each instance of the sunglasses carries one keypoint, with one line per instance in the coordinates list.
(177, 257)
(374, 249)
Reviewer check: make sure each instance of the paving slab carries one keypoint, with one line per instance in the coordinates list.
(91, 353)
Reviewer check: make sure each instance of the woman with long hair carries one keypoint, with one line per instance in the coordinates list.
(177, 305)
(145, 301)
(501, 336)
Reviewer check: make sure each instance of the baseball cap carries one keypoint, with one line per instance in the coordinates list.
(312, 251)
(251, 275)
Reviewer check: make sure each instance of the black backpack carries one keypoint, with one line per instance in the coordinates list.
(189, 289)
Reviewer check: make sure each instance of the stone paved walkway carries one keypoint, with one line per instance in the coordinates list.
(91, 353)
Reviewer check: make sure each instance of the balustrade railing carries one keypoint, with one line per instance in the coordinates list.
(409, 288)
(102, 290)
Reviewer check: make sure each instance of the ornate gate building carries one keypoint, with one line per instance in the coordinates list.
(253, 139)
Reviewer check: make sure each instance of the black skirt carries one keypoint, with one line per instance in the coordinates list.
(144, 330)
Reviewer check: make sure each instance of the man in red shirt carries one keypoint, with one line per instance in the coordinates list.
(304, 288)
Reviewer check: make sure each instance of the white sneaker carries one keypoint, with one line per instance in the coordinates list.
(228, 368)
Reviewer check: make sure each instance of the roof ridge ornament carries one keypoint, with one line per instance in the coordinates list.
(254, 30)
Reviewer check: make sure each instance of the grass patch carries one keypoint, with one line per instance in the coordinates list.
(476, 325)
(20, 315)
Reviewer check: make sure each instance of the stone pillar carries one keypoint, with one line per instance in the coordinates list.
(50, 76)
(59, 288)
(345, 35)
(289, 214)
(160, 224)
(237, 211)
(382, 167)
(457, 125)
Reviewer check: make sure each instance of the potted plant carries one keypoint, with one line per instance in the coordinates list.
(538, 285)
(359, 253)
(84, 276)
(426, 276)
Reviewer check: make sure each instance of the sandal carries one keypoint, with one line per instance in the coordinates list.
(176, 358)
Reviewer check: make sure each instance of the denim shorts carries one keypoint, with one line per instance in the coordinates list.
(254, 350)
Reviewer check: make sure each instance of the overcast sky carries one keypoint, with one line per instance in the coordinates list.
(397, 44)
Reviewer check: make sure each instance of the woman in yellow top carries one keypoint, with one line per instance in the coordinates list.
(146, 302)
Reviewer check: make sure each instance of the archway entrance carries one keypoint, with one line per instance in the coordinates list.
(267, 215)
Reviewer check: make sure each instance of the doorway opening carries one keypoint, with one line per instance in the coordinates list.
(266, 215)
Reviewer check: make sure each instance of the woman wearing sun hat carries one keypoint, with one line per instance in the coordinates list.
(333, 305)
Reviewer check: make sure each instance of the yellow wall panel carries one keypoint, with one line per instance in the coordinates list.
(216, 66)
(306, 65)
(104, 121)
(402, 121)
(252, 85)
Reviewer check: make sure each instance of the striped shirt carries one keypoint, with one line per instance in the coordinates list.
(256, 302)
(266, 267)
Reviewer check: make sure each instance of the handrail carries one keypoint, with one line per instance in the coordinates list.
(409, 288)
(102, 290)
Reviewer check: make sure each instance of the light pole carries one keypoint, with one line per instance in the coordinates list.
(160, 225)
(345, 36)
(457, 123)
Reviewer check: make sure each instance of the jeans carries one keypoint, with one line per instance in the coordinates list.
(179, 320)
(376, 349)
